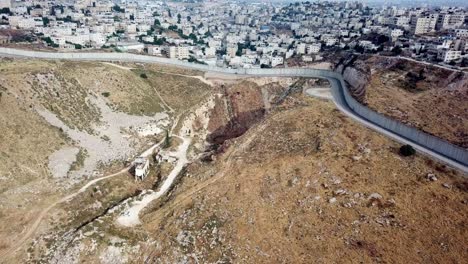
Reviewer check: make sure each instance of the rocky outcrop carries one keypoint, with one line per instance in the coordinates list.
(236, 110)
(356, 74)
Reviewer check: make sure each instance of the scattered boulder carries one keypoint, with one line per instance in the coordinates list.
(431, 177)
(340, 192)
(375, 196)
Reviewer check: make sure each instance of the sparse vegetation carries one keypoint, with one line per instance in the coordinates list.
(167, 139)
(80, 158)
(407, 150)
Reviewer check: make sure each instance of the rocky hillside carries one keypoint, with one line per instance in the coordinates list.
(238, 107)
(357, 75)
(430, 98)
(308, 183)
(264, 177)
(63, 123)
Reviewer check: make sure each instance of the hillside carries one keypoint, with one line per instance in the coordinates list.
(65, 122)
(244, 173)
(426, 97)
(308, 183)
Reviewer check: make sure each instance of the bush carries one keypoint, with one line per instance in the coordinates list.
(105, 94)
(144, 76)
(407, 150)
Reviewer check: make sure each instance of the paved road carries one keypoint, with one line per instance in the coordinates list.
(337, 88)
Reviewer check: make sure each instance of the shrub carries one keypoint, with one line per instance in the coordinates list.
(105, 94)
(407, 150)
(144, 76)
(167, 140)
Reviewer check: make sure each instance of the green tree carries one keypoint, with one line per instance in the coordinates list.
(407, 150)
(45, 20)
(157, 23)
(167, 140)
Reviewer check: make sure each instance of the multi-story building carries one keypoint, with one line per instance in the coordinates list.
(450, 21)
(301, 48)
(313, 48)
(276, 60)
(396, 33)
(5, 4)
(448, 55)
(210, 52)
(231, 50)
(425, 24)
(461, 33)
(180, 52)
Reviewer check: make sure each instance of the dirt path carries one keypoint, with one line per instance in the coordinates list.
(33, 228)
(320, 92)
(118, 66)
(130, 217)
(163, 211)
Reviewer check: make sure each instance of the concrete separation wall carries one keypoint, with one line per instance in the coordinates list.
(341, 95)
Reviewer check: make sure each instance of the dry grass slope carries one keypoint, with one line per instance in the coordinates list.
(297, 188)
(428, 98)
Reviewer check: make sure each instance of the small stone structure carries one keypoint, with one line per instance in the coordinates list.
(141, 168)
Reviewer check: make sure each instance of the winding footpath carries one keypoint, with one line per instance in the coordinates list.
(130, 216)
(33, 228)
(437, 148)
(339, 97)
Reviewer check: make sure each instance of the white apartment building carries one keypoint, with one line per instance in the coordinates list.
(143, 27)
(241, 19)
(276, 60)
(131, 28)
(81, 39)
(248, 59)
(5, 4)
(97, 39)
(313, 48)
(215, 43)
(448, 55)
(25, 22)
(187, 30)
(396, 33)
(301, 48)
(231, 50)
(210, 52)
(425, 24)
(402, 21)
(265, 60)
(180, 52)
(462, 33)
(331, 41)
(450, 21)
(109, 29)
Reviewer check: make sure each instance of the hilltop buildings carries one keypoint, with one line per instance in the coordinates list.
(242, 34)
